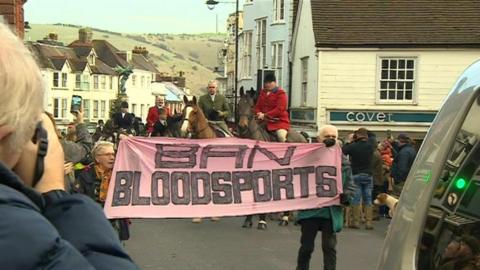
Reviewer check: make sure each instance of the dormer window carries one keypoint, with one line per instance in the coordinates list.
(91, 59)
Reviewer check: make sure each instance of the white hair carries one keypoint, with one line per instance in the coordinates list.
(324, 128)
(213, 82)
(22, 89)
(99, 146)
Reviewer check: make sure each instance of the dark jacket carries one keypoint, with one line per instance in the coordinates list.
(88, 184)
(210, 108)
(125, 122)
(361, 154)
(70, 232)
(153, 117)
(403, 162)
(377, 169)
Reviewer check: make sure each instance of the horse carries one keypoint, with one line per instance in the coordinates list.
(171, 129)
(196, 123)
(248, 127)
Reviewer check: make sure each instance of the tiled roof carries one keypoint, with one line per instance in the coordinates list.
(58, 62)
(111, 56)
(77, 65)
(436, 23)
(54, 57)
(140, 62)
(102, 68)
(108, 53)
(82, 51)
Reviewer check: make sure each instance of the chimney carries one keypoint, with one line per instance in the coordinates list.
(85, 35)
(141, 50)
(52, 36)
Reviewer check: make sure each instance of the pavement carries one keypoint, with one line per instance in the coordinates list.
(164, 244)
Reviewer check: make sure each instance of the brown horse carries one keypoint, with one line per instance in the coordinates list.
(195, 121)
(249, 128)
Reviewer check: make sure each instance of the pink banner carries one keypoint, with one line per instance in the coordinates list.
(178, 178)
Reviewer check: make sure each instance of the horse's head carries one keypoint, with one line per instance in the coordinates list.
(192, 116)
(245, 107)
(187, 109)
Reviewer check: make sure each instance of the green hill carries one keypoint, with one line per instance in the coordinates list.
(196, 55)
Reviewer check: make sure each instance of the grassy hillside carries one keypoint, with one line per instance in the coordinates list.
(196, 55)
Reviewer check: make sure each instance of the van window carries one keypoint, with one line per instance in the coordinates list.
(451, 233)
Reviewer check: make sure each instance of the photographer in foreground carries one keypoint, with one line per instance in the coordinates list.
(42, 226)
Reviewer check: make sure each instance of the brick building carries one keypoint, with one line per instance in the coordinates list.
(12, 12)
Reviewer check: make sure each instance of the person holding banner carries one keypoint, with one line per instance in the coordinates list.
(329, 219)
(94, 181)
(42, 225)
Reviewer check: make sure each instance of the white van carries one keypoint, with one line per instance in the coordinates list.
(436, 224)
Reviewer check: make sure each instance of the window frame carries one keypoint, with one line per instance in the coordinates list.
(247, 54)
(95, 82)
(78, 80)
(134, 79)
(379, 80)
(277, 58)
(278, 11)
(86, 108)
(261, 43)
(95, 109)
(304, 80)
(64, 79)
(56, 81)
(103, 82)
(85, 82)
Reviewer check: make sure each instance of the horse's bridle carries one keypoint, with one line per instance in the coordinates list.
(184, 118)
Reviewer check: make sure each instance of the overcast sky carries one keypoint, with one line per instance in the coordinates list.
(132, 16)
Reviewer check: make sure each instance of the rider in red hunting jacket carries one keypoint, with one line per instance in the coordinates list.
(153, 113)
(272, 108)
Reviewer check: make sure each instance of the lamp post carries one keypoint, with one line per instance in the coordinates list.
(211, 5)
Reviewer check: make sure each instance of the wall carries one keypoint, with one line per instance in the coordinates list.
(348, 81)
(275, 32)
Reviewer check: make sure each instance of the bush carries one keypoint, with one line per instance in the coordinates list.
(179, 56)
(163, 46)
(194, 55)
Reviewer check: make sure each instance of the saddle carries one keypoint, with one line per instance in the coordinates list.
(219, 131)
(272, 136)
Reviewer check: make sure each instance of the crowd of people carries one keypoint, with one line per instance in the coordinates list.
(45, 175)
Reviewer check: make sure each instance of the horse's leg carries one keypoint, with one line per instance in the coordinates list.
(248, 222)
(262, 223)
(284, 220)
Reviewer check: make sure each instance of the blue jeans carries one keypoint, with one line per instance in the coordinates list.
(364, 183)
